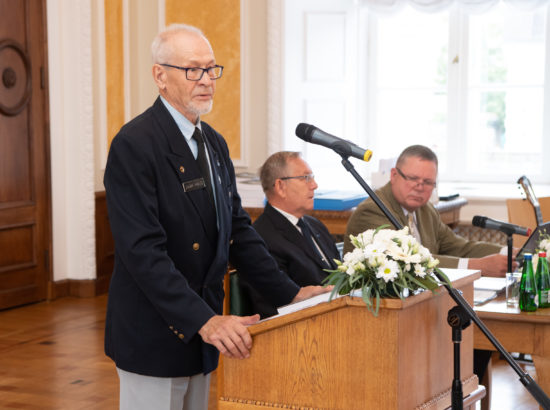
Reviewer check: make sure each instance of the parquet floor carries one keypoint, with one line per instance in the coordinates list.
(51, 357)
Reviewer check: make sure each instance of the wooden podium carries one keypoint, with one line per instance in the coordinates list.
(337, 355)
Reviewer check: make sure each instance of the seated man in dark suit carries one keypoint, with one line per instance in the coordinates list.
(301, 244)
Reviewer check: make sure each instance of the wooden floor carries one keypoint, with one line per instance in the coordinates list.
(51, 357)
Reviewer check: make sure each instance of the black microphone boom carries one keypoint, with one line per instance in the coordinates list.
(509, 229)
(346, 148)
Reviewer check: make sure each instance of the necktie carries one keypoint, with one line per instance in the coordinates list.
(308, 236)
(412, 227)
(202, 161)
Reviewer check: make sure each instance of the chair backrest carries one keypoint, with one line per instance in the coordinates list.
(522, 213)
(237, 297)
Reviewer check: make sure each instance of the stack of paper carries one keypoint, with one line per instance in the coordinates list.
(487, 288)
(488, 283)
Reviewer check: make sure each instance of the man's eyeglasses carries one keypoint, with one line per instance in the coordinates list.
(416, 180)
(196, 73)
(308, 178)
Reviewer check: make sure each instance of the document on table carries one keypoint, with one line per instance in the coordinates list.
(489, 283)
(488, 288)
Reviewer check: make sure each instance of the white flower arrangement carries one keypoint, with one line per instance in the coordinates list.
(544, 244)
(384, 263)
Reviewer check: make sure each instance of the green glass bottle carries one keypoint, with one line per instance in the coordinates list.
(542, 278)
(528, 286)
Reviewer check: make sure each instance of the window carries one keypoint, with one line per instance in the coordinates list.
(504, 90)
(470, 86)
(410, 84)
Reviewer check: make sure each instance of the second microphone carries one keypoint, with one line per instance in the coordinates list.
(508, 229)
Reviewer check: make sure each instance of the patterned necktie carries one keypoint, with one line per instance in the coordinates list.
(308, 236)
(202, 161)
(412, 226)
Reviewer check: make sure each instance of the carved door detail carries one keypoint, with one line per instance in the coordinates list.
(25, 221)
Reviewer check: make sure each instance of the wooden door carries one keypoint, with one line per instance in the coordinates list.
(25, 216)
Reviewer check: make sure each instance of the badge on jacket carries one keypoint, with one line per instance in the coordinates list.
(194, 184)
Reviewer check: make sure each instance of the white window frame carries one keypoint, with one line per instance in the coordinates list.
(365, 116)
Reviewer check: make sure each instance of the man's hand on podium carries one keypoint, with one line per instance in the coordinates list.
(229, 334)
(309, 291)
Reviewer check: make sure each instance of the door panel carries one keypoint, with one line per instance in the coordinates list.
(25, 217)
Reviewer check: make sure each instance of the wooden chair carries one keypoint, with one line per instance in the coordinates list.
(522, 213)
(236, 302)
(237, 299)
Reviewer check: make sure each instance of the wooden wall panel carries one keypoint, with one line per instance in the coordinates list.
(114, 61)
(105, 244)
(220, 21)
(16, 243)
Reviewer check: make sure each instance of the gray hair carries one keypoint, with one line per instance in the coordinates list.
(418, 151)
(275, 167)
(161, 51)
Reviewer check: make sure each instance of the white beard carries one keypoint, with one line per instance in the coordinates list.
(201, 110)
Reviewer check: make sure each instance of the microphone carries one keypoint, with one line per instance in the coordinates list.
(310, 133)
(509, 229)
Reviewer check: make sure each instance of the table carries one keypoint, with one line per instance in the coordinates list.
(518, 332)
(336, 221)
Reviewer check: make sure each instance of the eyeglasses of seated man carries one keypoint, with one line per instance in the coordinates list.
(417, 180)
(308, 178)
(297, 187)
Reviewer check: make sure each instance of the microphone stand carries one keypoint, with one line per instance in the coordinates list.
(458, 320)
(509, 243)
(533, 388)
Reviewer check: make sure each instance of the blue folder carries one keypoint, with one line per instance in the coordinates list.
(337, 200)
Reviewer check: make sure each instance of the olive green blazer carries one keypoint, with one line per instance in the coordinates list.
(441, 241)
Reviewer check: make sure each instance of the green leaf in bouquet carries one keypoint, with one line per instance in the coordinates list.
(424, 283)
(380, 228)
(355, 278)
(445, 278)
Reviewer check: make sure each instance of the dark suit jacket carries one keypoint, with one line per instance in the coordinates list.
(291, 251)
(170, 257)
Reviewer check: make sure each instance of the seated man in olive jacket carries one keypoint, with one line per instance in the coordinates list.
(407, 197)
(301, 244)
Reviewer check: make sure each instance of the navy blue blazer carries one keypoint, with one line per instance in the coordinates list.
(292, 253)
(170, 255)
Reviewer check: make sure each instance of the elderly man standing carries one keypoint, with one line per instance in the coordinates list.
(301, 244)
(177, 220)
(407, 197)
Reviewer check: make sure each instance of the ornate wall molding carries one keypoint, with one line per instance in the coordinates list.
(72, 138)
(85, 178)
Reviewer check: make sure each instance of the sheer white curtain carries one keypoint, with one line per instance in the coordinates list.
(435, 6)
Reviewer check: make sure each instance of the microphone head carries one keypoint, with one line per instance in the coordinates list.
(305, 131)
(479, 221)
